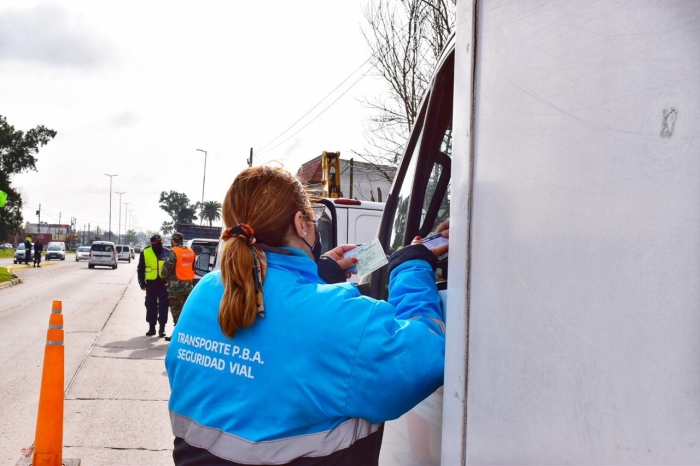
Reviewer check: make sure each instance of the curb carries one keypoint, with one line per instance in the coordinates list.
(15, 281)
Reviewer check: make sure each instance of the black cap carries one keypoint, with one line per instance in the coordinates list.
(155, 239)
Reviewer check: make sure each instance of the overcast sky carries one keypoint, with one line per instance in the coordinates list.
(134, 88)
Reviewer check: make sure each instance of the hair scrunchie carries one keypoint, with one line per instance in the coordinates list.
(247, 233)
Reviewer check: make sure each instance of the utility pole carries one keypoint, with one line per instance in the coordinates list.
(250, 159)
(204, 177)
(110, 204)
(119, 218)
(126, 225)
(38, 213)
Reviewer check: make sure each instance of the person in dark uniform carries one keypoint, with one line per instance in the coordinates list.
(38, 248)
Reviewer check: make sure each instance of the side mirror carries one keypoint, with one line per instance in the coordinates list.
(201, 266)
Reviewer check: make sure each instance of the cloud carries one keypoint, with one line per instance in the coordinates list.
(44, 34)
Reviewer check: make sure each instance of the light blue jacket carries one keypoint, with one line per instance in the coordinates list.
(322, 369)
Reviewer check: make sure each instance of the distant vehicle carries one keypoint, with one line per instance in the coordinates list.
(82, 254)
(103, 253)
(131, 251)
(56, 250)
(124, 252)
(7, 246)
(19, 254)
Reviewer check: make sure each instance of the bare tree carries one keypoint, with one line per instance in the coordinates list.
(406, 38)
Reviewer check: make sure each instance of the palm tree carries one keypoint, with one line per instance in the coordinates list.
(211, 211)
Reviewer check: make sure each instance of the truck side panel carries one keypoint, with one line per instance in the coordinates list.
(584, 275)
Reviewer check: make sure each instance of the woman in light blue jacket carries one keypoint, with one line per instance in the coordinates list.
(272, 363)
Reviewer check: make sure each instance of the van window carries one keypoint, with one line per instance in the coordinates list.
(54, 247)
(423, 199)
(102, 247)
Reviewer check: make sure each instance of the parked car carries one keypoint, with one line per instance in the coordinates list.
(103, 253)
(19, 254)
(7, 246)
(55, 250)
(82, 254)
(124, 252)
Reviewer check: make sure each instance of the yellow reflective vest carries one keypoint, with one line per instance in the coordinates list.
(153, 265)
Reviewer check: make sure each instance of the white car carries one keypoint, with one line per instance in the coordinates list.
(56, 250)
(82, 254)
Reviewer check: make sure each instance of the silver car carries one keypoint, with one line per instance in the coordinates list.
(103, 253)
(19, 254)
(82, 254)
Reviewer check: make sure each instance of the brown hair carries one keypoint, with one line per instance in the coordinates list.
(266, 199)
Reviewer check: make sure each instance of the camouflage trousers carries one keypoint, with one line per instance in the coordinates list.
(177, 300)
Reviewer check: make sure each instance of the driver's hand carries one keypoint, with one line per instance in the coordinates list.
(345, 263)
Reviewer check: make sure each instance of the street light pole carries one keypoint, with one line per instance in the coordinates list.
(204, 176)
(126, 225)
(119, 218)
(110, 204)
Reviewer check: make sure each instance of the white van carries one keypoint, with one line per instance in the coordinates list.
(55, 250)
(123, 252)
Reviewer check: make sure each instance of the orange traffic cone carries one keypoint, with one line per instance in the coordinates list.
(48, 443)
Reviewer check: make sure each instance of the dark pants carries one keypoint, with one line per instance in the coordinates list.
(156, 304)
(27, 256)
(37, 258)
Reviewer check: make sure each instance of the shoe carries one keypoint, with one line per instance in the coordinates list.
(151, 332)
(168, 338)
(161, 331)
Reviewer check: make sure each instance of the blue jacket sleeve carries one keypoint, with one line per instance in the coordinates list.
(401, 355)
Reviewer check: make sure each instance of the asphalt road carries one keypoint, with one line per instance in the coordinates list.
(104, 322)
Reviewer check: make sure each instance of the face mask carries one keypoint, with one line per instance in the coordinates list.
(316, 248)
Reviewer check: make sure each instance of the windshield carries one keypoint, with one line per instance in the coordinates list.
(54, 247)
(84, 249)
(20, 247)
(103, 247)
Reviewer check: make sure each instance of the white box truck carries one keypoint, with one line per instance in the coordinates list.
(562, 139)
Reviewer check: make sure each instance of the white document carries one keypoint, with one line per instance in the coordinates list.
(370, 256)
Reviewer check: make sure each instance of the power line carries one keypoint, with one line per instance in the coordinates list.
(322, 112)
(261, 151)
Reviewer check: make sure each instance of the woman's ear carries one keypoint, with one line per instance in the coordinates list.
(300, 225)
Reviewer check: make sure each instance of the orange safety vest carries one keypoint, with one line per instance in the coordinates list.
(184, 267)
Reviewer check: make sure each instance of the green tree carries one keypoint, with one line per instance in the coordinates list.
(178, 206)
(18, 152)
(210, 211)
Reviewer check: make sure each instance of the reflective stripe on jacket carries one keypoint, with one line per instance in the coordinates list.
(316, 375)
(152, 263)
(184, 267)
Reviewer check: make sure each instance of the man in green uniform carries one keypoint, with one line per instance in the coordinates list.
(178, 270)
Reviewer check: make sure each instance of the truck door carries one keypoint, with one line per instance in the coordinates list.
(418, 202)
